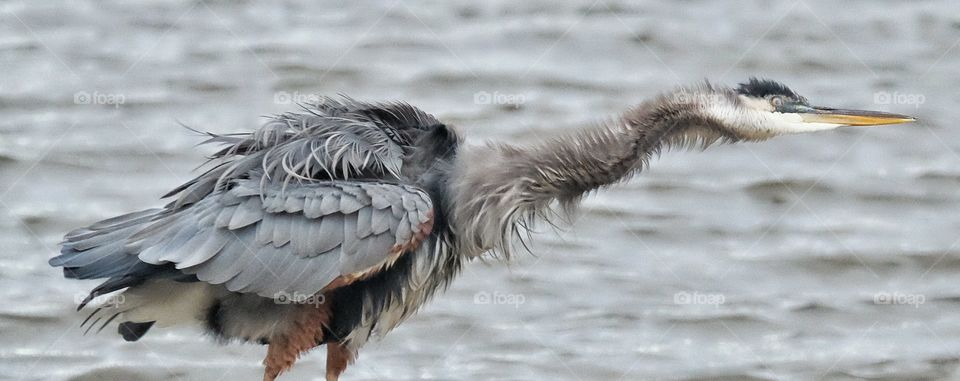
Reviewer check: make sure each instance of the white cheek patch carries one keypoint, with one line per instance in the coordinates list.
(790, 123)
(756, 118)
(758, 104)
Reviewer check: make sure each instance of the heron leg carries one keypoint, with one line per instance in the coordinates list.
(305, 333)
(281, 354)
(338, 357)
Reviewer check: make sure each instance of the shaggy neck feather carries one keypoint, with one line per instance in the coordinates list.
(500, 190)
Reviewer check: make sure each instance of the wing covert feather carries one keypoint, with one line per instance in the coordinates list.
(299, 238)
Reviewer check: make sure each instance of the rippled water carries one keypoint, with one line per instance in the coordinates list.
(757, 262)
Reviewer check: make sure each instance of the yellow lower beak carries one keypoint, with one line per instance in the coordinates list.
(854, 117)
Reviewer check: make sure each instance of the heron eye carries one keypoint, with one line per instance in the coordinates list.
(776, 101)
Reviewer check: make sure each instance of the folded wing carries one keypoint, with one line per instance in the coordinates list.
(274, 238)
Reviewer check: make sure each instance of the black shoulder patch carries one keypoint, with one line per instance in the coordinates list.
(760, 88)
(134, 331)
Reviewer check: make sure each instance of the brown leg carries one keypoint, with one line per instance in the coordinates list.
(338, 356)
(306, 332)
(281, 354)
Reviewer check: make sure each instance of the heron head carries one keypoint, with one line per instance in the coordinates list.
(764, 108)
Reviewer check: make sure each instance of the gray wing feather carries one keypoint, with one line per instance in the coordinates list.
(311, 206)
(273, 203)
(282, 229)
(350, 239)
(403, 232)
(330, 204)
(222, 268)
(265, 228)
(359, 261)
(293, 204)
(88, 244)
(247, 213)
(98, 240)
(381, 220)
(364, 217)
(270, 239)
(224, 217)
(330, 234)
(203, 247)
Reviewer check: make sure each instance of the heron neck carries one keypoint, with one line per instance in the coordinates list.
(569, 166)
(498, 189)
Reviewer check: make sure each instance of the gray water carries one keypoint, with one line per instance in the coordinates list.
(827, 256)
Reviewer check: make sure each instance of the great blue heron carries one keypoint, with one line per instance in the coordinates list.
(336, 223)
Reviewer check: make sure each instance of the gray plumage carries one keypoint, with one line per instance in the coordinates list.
(255, 238)
(377, 206)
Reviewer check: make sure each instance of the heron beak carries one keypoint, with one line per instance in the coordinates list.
(852, 117)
